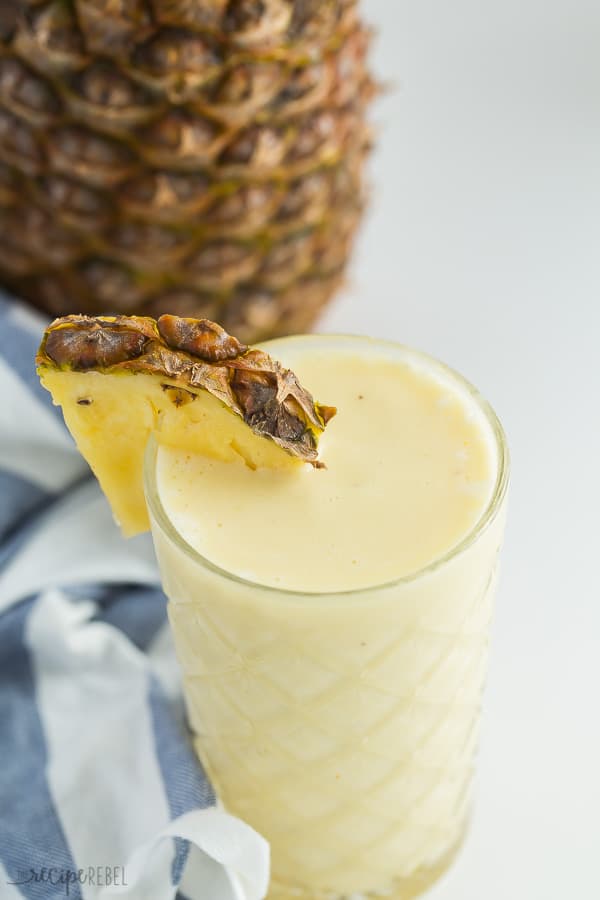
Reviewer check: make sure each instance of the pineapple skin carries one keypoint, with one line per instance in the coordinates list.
(199, 158)
(121, 379)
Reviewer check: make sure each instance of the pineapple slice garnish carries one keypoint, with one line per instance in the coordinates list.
(120, 379)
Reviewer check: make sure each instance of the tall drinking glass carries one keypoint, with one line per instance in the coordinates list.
(342, 726)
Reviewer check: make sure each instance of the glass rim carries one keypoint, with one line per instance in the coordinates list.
(493, 506)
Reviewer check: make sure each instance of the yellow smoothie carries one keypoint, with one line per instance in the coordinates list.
(410, 468)
(332, 624)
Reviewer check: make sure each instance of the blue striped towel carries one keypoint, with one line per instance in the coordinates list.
(101, 795)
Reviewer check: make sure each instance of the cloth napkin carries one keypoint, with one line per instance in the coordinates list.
(101, 795)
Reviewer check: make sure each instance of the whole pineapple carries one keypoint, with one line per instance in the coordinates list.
(194, 157)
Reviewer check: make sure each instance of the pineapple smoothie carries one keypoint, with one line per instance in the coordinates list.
(332, 624)
(410, 468)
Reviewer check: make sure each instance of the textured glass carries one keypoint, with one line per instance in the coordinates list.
(346, 738)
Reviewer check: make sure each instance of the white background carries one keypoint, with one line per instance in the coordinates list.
(483, 248)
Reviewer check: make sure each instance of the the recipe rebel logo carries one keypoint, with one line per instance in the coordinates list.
(97, 876)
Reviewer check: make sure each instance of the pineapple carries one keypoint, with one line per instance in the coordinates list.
(196, 157)
(195, 387)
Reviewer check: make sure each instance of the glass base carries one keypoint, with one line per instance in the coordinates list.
(402, 888)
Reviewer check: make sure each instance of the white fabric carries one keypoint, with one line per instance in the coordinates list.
(90, 692)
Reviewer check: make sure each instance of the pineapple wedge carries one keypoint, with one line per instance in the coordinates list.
(120, 379)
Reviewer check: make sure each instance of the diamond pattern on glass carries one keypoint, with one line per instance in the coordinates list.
(352, 755)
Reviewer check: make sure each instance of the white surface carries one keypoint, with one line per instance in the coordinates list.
(483, 248)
